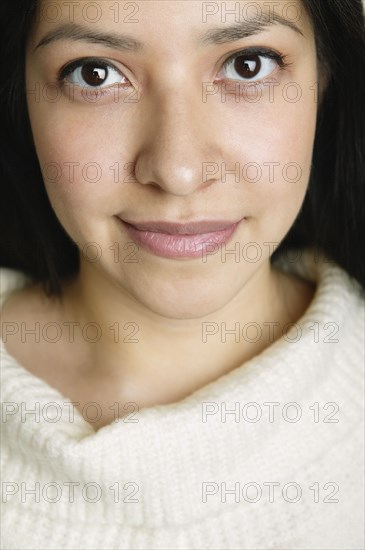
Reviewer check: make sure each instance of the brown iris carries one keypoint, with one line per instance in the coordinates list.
(94, 75)
(248, 66)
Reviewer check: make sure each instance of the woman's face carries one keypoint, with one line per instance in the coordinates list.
(140, 112)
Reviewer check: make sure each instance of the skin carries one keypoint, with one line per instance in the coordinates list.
(167, 135)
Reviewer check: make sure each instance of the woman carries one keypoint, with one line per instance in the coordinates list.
(182, 336)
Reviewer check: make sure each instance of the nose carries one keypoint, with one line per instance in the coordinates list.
(177, 138)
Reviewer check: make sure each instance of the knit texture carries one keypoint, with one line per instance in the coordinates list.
(191, 475)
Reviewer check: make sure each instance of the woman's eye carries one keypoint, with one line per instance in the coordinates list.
(92, 74)
(250, 67)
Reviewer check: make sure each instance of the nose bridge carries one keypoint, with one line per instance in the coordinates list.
(177, 140)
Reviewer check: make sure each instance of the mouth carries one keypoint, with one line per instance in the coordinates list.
(189, 228)
(194, 239)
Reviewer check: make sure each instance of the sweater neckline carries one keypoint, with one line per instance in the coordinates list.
(33, 389)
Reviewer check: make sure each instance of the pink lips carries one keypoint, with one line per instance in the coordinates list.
(189, 240)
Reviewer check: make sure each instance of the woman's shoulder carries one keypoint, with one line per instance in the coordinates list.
(25, 309)
(12, 282)
(20, 296)
(315, 267)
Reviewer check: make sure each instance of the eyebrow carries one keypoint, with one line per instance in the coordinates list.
(247, 28)
(219, 35)
(72, 31)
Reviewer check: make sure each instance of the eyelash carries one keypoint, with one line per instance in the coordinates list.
(279, 58)
(71, 67)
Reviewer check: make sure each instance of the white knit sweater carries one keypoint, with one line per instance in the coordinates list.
(190, 475)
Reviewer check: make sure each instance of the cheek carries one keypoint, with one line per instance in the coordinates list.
(83, 159)
(274, 150)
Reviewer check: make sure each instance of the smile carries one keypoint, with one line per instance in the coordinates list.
(189, 240)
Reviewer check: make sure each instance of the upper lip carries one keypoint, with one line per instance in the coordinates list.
(188, 228)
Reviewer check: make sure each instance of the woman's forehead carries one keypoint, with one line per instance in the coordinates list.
(152, 22)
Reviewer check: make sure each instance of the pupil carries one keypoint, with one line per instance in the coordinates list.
(248, 66)
(94, 75)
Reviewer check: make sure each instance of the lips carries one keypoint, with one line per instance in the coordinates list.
(179, 241)
(190, 228)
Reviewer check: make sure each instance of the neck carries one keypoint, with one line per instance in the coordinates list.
(141, 347)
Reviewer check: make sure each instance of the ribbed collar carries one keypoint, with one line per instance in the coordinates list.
(170, 451)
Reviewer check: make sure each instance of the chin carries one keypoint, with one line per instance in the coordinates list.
(182, 310)
(189, 301)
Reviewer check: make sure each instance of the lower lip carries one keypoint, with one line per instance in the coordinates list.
(180, 246)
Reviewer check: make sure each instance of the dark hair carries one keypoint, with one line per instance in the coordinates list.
(332, 217)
